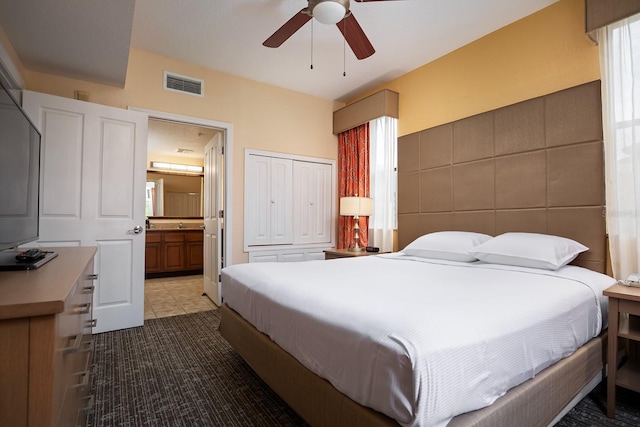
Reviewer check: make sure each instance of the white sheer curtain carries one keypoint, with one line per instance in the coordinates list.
(383, 137)
(620, 68)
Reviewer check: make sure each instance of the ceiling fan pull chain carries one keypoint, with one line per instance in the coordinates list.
(312, 44)
(344, 49)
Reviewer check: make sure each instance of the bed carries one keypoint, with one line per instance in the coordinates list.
(533, 167)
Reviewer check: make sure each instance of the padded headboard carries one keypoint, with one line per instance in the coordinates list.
(534, 166)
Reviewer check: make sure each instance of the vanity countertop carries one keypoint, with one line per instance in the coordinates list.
(156, 230)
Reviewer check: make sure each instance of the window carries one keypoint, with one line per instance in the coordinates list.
(383, 164)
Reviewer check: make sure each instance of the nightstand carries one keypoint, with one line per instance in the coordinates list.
(346, 253)
(622, 299)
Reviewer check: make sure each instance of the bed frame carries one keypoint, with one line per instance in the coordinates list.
(535, 166)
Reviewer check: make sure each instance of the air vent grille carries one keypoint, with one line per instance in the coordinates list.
(177, 83)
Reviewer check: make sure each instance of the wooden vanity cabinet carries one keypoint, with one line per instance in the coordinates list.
(153, 253)
(46, 322)
(194, 251)
(173, 252)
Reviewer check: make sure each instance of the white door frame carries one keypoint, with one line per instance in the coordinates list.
(227, 145)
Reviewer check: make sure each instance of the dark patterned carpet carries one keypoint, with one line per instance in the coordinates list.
(178, 371)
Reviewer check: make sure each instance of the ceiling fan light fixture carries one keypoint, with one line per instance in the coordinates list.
(329, 11)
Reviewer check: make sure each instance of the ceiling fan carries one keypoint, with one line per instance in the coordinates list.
(328, 12)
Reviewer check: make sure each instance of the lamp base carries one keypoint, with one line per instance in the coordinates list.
(356, 249)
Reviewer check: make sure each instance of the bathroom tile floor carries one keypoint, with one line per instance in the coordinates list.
(172, 296)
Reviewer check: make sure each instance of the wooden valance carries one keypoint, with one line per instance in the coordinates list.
(380, 104)
(600, 13)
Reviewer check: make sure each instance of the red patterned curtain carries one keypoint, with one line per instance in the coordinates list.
(353, 167)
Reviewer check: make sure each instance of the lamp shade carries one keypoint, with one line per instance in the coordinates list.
(329, 12)
(356, 206)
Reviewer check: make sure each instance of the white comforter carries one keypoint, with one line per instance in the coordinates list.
(420, 340)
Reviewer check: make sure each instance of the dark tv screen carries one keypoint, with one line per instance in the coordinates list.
(19, 174)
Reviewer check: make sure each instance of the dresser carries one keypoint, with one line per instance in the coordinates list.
(46, 346)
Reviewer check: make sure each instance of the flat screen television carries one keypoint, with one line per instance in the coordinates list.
(19, 180)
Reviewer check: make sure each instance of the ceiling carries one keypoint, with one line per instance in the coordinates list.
(166, 138)
(90, 39)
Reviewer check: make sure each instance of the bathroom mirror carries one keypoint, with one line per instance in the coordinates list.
(170, 195)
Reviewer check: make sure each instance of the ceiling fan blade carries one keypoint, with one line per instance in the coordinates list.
(355, 36)
(288, 29)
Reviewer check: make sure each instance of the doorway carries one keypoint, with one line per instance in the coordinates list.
(220, 253)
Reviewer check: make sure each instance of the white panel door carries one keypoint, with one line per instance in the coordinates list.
(312, 202)
(212, 222)
(281, 201)
(93, 184)
(258, 200)
(304, 210)
(322, 181)
(268, 200)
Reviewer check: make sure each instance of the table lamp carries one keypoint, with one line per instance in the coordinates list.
(356, 207)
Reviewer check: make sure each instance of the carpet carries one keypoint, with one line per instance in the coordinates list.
(178, 371)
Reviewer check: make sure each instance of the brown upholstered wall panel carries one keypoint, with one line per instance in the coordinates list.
(576, 175)
(529, 220)
(474, 186)
(411, 229)
(529, 170)
(436, 190)
(409, 156)
(473, 138)
(520, 127)
(409, 193)
(584, 224)
(480, 222)
(573, 115)
(535, 166)
(436, 146)
(435, 222)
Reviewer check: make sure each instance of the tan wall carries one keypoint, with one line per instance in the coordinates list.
(264, 117)
(540, 54)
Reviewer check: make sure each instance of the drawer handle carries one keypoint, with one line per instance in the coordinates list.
(89, 289)
(91, 277)
(84, 380)
(90, 345)
(90, 401)
(84, 308)
(77, 342)
(92, 323)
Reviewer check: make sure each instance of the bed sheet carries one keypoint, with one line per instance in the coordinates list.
(419, 340)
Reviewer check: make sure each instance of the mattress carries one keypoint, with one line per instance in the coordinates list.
(416, 339)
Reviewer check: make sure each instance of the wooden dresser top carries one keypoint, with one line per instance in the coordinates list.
(44, 290)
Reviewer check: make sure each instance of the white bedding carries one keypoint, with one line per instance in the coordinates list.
(420, 340)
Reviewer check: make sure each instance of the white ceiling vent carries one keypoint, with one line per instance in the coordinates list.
(183, 84)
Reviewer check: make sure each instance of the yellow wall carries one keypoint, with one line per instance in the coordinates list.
(264, 117)
(540, 54)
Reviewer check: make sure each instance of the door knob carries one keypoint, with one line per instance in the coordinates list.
(136, 230)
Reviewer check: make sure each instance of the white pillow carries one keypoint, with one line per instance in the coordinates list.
(447, 245)
(529, 250)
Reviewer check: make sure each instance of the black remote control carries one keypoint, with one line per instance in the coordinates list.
(30, 255)
(372, 249)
